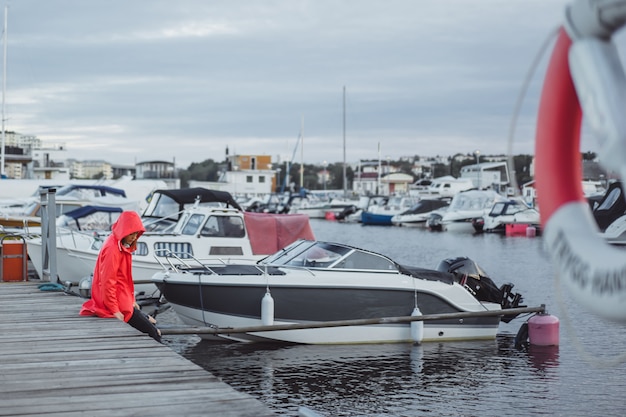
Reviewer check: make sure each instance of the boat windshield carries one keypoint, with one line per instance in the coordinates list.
(311, 254)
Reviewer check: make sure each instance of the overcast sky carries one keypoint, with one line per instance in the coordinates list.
(130, 81)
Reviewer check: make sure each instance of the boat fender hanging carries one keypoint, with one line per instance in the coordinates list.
(267, 309)
(585, 74)
(417, 327)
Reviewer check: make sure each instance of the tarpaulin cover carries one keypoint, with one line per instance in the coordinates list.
(269, 232)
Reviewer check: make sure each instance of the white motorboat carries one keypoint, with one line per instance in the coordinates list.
(512, 214)
(466, 207)
(67, 198)
(317, 208)
(311, 282)
(381, 214)
(443, 187)
(181, 225)
(417, 215)
(352, 213)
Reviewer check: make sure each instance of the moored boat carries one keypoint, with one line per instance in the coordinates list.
(417, 215)
(381, 214)
(506, 216)
(181, 225)
(312, 281)
(466, 208)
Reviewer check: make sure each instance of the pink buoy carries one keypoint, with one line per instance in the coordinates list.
(515, 229)
(329, 215)
(531, 231)
(543, 330)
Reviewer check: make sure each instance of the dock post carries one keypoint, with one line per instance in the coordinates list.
(48, 235)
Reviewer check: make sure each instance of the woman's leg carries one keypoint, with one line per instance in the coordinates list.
(141, 322)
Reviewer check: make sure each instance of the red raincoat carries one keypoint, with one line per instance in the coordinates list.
(112, 287)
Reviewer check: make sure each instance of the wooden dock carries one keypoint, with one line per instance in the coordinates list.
(54, 362)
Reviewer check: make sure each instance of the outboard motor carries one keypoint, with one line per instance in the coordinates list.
(475, 280)
(346, 212)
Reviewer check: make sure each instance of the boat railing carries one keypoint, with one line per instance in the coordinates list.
(176, 260)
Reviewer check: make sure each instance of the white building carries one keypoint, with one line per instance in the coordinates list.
(493, 175)
(92, 169)
(250, 175)
(155, 170)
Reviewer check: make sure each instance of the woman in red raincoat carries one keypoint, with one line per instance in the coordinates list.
(112, 287)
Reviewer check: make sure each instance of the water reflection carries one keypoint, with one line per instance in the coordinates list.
(486, 378)
(369, 379)
(543, 357)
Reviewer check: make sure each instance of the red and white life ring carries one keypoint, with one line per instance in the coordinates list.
(593, 270)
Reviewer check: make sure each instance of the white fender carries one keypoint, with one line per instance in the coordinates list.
(267, 309)
(417, 327)
(586, 71)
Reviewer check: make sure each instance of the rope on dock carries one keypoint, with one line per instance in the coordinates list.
(339, 323)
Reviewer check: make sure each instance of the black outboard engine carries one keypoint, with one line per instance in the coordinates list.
(474, 279)
(346, 212)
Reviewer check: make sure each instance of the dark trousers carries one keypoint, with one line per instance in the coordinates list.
(141, 322)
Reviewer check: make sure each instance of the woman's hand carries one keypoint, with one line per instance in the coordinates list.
(118, 315)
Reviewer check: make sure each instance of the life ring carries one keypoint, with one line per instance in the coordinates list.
(592, 270)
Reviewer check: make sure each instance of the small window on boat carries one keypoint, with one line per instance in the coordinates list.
(211, 228)
(142, 249)
(193, 224)
(223, 226)
(497, 210)
(233, 226)
(182, 250)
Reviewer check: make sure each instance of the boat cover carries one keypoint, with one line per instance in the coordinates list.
(269, 232)
(102, 189)
(188, 195)
(87, 210)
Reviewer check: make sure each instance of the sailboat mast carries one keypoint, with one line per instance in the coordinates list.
(302, 156)
(345, 192)
(4, 87)
(378, 188)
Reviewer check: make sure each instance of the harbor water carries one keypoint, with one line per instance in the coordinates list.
(584, 376)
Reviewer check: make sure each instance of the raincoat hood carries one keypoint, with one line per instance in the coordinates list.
(128, 222)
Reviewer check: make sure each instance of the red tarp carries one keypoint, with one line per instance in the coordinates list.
(269, 232)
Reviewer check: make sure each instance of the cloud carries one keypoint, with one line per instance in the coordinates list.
(142, 80)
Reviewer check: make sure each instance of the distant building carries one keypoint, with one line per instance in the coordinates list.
(91, 169)
(123, 170)
(377, 177)
(396, 183)
(250, 175)
(493, 175)
(154, 170)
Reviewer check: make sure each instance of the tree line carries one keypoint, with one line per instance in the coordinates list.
(209, 170)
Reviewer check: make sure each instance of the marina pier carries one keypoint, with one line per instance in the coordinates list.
(55, 362)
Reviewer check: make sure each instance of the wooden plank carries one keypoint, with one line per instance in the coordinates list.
(55, 363)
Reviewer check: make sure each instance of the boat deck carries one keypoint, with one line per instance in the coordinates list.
(54, 362)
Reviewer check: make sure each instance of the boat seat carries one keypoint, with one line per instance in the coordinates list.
(427, 274)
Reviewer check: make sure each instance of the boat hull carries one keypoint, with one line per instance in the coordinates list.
(210, 301)
(375, 219)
